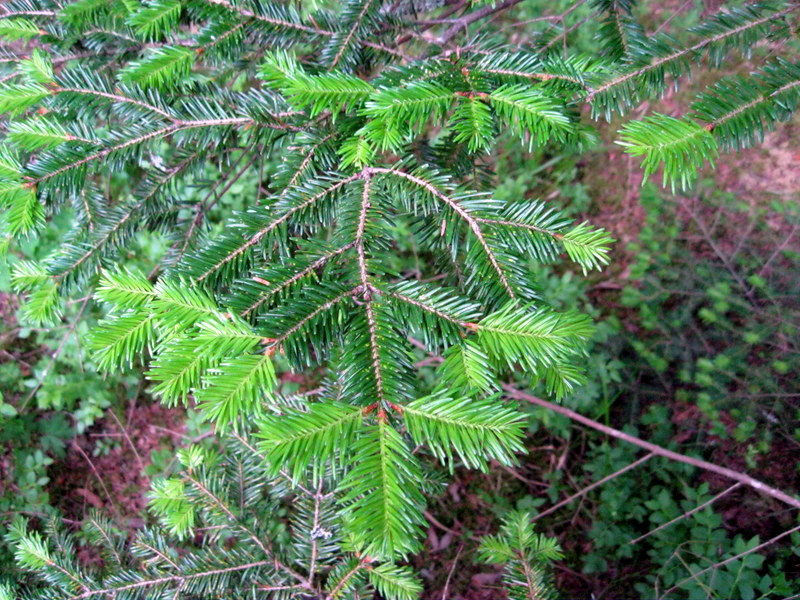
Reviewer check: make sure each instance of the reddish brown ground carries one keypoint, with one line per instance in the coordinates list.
(115, 483)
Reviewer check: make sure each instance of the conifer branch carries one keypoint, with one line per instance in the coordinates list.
(170, 129)
(249, 14)
(752, 104)
(10, 14)
(309, 317)
(366, 290)
(275, 223)
(334, 593)
(117, 98)
(303, 581)
(301, 169)
(699, 46)
(383, 147)
(353, 28)
(130, 214)
(423, 306)
(321, 261)
(180, 579)
(751, 482)
(469, 219)
(544, 76)
(463, 23)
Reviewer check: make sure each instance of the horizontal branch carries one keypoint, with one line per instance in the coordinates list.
(744, 107)
(170, 579)
(505, 223)
(697, 47)
(426, 308)
(168, 130)
(117, 98)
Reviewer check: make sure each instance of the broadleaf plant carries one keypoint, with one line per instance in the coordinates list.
(365, 140)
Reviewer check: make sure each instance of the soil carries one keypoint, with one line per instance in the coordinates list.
(115, 483)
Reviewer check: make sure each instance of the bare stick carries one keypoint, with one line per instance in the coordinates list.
(130, 442)
(655, 449)
(688, 513)
(102, 483)
(722, 563)
(450, 574)
(464, 22)
(589, 488)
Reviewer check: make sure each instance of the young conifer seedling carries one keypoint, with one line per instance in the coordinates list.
(366, 139)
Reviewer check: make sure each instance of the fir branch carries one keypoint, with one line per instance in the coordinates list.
(117, 98)
(130, 214)
(469, 219)
(179, 579)
(698, 47)
(249, 14)
(309, 317)
(353, 28)
(311, 268)
(274, 224)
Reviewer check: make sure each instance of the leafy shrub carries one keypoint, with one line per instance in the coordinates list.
(725, 315)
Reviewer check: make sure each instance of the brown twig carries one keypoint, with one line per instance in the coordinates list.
(102, 483)
(743, 478)
(450, 574)
(590, 487)
(722, 563)
(465, 21)
(130, 442)
(688, 513)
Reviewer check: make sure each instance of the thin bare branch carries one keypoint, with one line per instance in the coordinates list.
(743, 478)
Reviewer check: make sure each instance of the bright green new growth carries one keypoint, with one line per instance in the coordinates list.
(380, 150)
